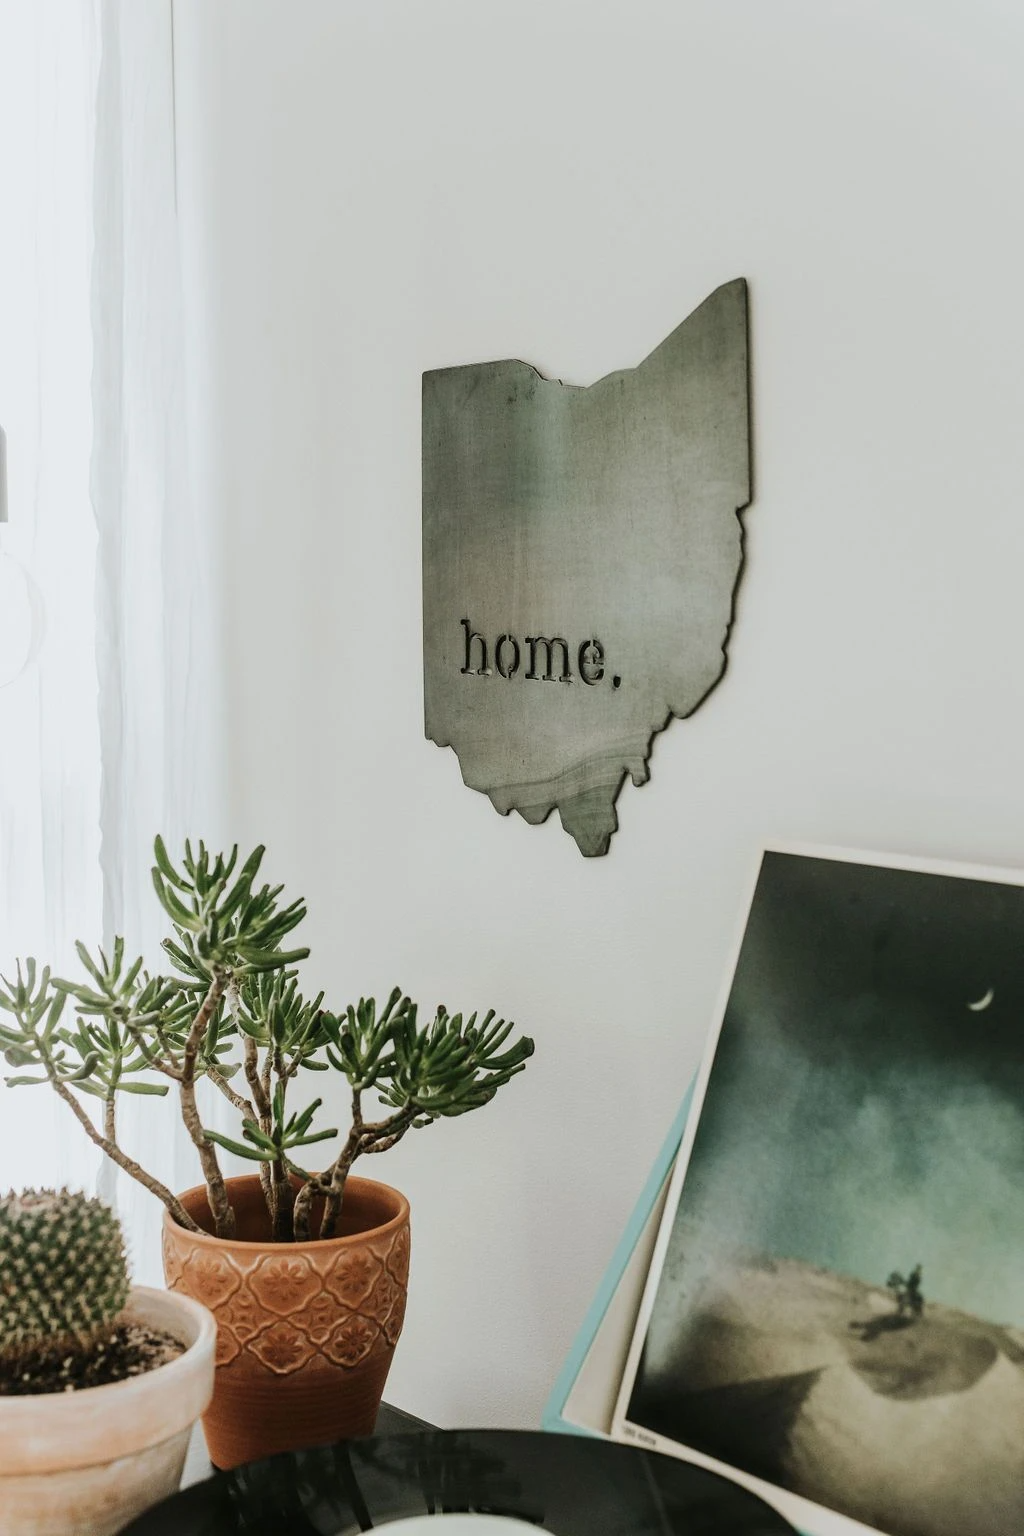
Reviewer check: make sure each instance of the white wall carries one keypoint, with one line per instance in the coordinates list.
(371, 189)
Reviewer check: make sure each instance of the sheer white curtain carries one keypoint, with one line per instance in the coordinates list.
(50, 887)
(155, 638)
(111, 740)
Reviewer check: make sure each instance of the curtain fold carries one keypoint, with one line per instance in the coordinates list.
(50, 884)
(110, 737)
(155, 644)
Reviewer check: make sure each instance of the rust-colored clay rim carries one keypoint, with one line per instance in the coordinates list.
(209, 1239)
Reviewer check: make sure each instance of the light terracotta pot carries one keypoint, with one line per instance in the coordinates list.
(86, 1463)
(305, 1331)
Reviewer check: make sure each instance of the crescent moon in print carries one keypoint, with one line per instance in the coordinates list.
(982, 1002)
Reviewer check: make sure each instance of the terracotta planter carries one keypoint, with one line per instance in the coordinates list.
(305, 1331)
(86, 1463)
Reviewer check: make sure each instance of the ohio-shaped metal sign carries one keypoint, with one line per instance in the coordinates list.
(581, 552)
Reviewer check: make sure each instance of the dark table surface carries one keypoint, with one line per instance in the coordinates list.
(390, 1421)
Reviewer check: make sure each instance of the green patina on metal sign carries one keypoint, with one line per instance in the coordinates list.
(581, 551)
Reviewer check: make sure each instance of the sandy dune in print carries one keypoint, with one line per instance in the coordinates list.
(805, 1378)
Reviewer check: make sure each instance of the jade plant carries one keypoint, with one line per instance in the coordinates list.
(63, 1283)
(230, 1012)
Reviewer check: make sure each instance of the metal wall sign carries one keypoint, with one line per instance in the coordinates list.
(581, 550)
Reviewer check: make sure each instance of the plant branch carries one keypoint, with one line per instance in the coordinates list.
(377, 1136)
(302, 1207)
(257, 1108)
(168, 1064)
(220, 1205)
(385, 1143)
(173, 1068)
(123, 1161)
(260, 1097)
(234, 1098)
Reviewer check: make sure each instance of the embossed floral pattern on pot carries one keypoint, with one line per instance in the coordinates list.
(228, 1347)
(398, 1258)
(394, 1320)
(251, 1301)
(385, 1293)
(353, 1276)
(282, 1349)
(292, 1316)
(352, 1341)
(215, 1278)
(320, 1318)
(284, 1285)
(242, 1318)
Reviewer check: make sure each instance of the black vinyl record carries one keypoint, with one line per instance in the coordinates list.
(558, 1483)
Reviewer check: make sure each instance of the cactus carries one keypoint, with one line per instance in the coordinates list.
(63, 1275)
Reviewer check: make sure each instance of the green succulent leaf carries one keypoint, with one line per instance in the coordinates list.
(239, 1148)
(252, 1132)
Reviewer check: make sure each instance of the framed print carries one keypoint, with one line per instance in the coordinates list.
(834, 1311)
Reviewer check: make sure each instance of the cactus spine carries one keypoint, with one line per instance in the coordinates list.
(63, 1275)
